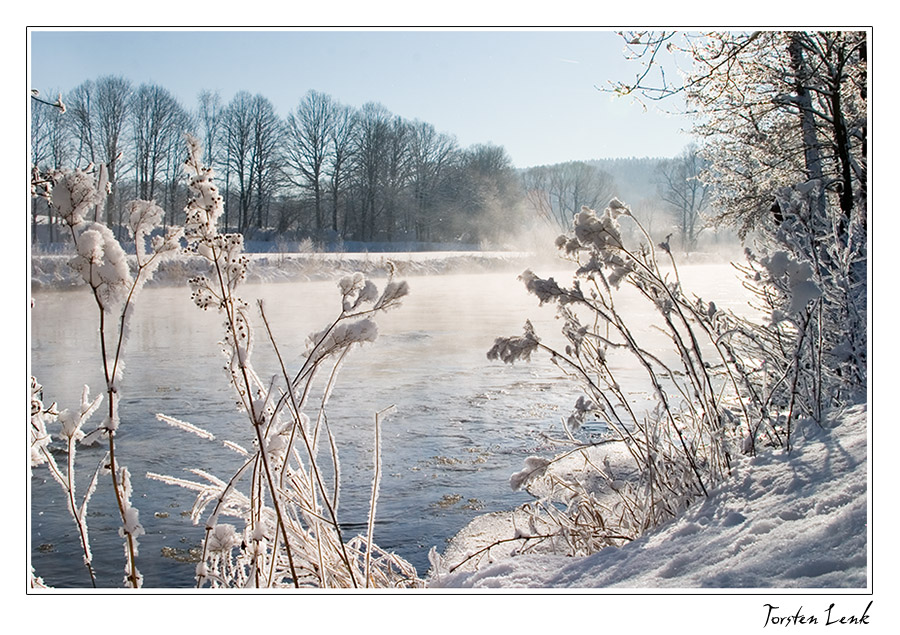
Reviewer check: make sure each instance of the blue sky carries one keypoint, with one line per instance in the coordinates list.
(533, 92)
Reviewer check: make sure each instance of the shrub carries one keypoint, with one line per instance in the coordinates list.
(705, 405)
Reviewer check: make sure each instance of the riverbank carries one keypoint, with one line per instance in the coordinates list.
(51, 271)
(782, 521)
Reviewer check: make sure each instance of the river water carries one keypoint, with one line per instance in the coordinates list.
(463, 423)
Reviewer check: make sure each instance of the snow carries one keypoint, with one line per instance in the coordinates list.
(782, 521)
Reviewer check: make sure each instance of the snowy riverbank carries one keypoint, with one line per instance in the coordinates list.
(51, 271)
(797, 521)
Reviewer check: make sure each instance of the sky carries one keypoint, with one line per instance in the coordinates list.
(536, 92)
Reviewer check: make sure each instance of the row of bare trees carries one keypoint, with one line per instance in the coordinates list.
(368, 174)
(330, 171)
(327, 170)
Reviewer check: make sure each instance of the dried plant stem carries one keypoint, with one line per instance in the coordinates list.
(256, 418)
(112, 400)
(376, 482)
(220, 502)
(67, 482)
(82, 529)
(298, 425)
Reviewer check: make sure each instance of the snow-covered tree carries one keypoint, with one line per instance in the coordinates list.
(783, 121)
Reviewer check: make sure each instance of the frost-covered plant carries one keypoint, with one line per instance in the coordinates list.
(674, 450)
(812, 284)
(115, 282)
(289, 534)
(71, 431)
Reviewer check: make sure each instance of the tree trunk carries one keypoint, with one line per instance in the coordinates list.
(812, 159)
(842, 144)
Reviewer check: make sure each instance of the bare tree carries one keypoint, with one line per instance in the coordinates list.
(557, 192)
(369, 165)
(237, 132)
(341, 136)
(99, 116)
(308, 146)
(432, 155)
(209, 116)
(485, 195)
(680, 186)
(397, 175)
(50, 149)
(113, 102)
(266, 158)
(80, 111)
(159, 123)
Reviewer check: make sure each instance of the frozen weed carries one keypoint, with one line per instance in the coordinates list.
(289, 534)
(705, 405)
(115, 285)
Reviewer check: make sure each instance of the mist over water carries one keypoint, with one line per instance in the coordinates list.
(463, 424)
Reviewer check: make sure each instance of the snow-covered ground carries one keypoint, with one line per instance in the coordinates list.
(783, 521)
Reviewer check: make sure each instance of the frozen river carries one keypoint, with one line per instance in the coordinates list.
(463, 424)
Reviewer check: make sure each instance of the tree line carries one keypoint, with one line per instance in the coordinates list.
(328, 171)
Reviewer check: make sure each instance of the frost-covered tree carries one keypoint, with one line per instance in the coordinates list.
(773, 108)
(783, 120)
